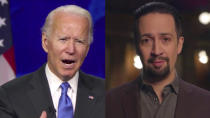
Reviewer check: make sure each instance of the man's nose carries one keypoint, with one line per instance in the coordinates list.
(156, 48)
(70, 49)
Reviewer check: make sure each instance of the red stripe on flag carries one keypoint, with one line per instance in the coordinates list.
(9, 56)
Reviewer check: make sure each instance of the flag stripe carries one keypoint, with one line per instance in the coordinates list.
(6, 72)
(9, 56)
(7, 62)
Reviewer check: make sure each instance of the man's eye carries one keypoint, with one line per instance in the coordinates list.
(166, 39)
(146, 40)
(63, 39)
(79, 41)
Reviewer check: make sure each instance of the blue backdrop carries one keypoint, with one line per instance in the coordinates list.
(27, 18)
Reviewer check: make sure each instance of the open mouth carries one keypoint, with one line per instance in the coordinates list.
(66, 61)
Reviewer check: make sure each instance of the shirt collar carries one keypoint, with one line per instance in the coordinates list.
(55, 82)
(174, 85)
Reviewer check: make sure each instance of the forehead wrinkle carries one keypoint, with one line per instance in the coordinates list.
(81, 29)
(83, 32)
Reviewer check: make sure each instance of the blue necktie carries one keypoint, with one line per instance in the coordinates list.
(65, 107)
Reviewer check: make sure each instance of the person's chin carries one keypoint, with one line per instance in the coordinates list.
(154, 72)
(159, 70)
(67, 74)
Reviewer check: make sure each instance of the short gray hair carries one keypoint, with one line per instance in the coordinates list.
(68, 9)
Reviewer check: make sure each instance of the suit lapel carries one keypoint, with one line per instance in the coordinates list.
(183, 101)
(85, 98)
(39, 93)
(131, 104)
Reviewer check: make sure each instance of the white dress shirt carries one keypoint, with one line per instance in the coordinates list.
(54, 84)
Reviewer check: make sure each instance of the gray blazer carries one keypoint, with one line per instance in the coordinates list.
(28, 96)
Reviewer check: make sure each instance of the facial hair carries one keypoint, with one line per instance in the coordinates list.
(154, 74)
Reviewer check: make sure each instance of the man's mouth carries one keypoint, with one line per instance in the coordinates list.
(67, 61)
(158, 63)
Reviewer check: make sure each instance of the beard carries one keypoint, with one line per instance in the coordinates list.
(156, 74)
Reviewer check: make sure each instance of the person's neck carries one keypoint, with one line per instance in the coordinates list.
(159, 86)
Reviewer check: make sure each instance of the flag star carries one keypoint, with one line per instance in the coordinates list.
(2, 22)
(1, 43)
(3, 2)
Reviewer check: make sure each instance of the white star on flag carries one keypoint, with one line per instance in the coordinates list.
(1, 43)
(2, 22)
(3, 2)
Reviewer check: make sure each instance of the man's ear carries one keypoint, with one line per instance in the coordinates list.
(180, 44)
(45, 42)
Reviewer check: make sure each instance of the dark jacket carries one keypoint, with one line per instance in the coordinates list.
(28, 96)
(123, 102)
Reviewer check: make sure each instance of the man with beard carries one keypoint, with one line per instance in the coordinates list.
(158, 92)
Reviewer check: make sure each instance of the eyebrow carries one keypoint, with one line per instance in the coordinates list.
(164, 34)
(150, 35)
(146, 34)
(64, 37)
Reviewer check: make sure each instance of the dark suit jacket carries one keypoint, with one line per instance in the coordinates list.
(28, 96)
(123, 102)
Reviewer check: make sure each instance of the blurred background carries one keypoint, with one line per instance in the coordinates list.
(122, 64)
(26, 18)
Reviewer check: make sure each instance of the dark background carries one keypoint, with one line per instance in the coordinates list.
(27, 18)
(120, 50)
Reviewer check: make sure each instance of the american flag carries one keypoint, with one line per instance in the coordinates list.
(7, 63)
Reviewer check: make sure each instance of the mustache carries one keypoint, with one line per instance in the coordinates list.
(152, 59)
